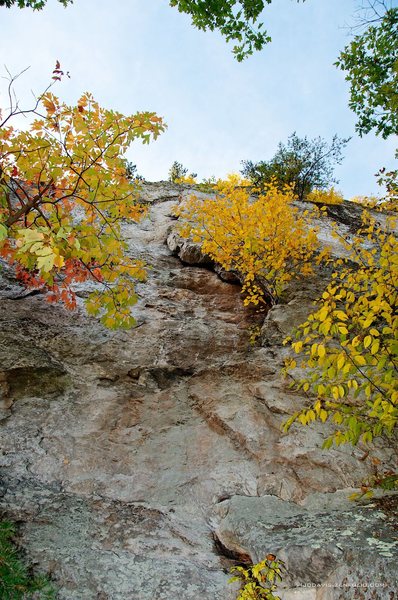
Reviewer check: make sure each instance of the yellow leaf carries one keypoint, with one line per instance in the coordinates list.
(367, 341)
(311, 415)
(323, 415)
(59, 261)
(45, 263)
(375, 347)
(302, 418)
(342, 316)
(360, 360)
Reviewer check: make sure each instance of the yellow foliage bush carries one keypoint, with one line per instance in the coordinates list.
(330, 196)
(265, 238)
(259, 581)
(388, 203)
(186, 179)
(366, 201)
(349, 346)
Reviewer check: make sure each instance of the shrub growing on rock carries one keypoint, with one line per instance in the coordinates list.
(330, 196)
(264, 238)
(348, 347)
(258, 582)
(179, 174)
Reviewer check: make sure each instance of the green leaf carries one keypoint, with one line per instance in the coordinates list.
(3, 232)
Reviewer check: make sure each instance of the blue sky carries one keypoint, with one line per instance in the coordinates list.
(143, 55)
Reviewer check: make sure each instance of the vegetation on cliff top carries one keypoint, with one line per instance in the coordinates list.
(305, 165)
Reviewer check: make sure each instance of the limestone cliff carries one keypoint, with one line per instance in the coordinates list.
(141, 465)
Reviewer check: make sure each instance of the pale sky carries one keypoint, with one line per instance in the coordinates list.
(143, 55)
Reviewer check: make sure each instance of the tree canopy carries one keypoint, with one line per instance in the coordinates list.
(35, 4)
(301, 163)
(64, 192)
(236, 20)
(370, 62)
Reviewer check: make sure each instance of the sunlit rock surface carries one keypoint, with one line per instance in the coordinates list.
(142, 465)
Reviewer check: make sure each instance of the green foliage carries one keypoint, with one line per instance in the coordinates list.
(301, 163)
(35, 4)
(258, 582)
(131, 172)
(389, 180)
(348, 348)
(385, 480)
(207, 185)
(178, 173)
(236, 21)
(64, 193)
(16, 580)
(371, 65)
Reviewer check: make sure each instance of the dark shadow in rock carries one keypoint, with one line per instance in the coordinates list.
(44, 382)
(166, 376)
(230, 557)
(347, 213)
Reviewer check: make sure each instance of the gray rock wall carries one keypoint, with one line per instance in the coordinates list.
(141, 465)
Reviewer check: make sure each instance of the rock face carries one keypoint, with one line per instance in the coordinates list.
(141, 465)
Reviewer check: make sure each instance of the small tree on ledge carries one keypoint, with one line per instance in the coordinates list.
(301, 163)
